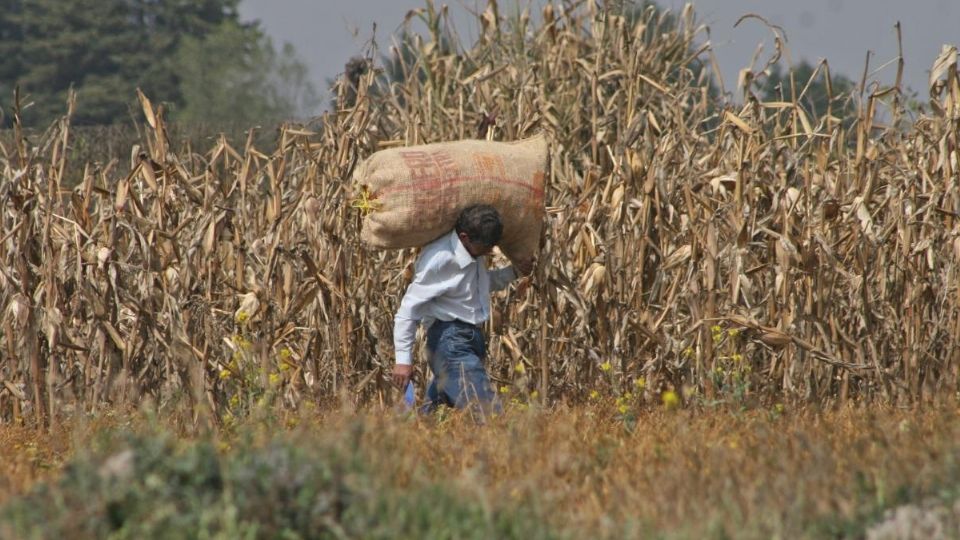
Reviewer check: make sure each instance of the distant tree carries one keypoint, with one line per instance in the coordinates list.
(11, 38)
(69, 44)
(191, 54)
(164, 25)
(816, 99)
(233, 75)
(291, 81)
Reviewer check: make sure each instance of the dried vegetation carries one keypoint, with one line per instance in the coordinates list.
(757, 252)
(577, 472)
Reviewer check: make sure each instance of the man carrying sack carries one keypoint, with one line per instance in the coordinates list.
(450, 296)
(490, 193)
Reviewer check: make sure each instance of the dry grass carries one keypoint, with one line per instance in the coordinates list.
(29, 456)
(676, 474)
(750, 254)
(757, 474)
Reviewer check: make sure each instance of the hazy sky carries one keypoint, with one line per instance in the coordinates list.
(326, 33)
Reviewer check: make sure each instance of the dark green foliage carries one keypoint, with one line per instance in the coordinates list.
(11, 57)
(156, 487)
(106, 49)
(64, 45)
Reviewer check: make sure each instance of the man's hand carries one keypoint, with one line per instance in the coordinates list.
(401, 375)
(523, 267)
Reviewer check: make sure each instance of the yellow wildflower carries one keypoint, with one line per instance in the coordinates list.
(736, 357)
(623, 408)
(605, 367)
(504, 389)
(241, 342)
(717, 333)
(224, 374)
(670, 399)
(242, 316)
(594, 394)
(274, 378)
(733, 332)
(640, 383)
(285, 354)
(520, 368)
(534, 394)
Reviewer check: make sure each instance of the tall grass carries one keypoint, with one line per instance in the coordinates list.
(724, 253)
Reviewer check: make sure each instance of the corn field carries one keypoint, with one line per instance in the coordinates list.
(761, 251)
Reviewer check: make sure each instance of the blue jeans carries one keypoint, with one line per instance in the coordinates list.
(456, 351)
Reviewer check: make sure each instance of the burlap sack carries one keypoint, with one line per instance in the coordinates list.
(413, 195)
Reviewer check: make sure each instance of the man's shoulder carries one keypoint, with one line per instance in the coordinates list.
(436, 254)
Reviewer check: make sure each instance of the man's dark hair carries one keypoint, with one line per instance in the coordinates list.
(481, 223)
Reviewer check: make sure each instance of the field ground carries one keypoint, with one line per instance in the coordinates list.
(567, 472)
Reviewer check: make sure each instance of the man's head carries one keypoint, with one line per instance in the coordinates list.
(479, 228)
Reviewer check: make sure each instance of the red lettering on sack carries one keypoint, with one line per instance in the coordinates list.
(420, 164)
(490, 165)
(446, 164)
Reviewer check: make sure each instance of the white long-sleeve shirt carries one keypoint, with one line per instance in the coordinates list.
(448, 284)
